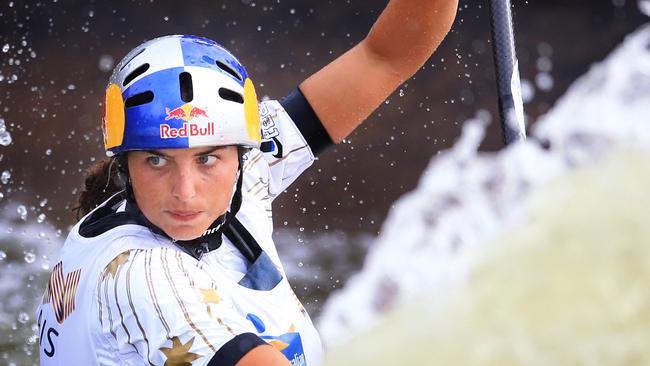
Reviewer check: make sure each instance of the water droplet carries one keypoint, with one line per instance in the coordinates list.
(544, 64)
(544, 81)
(334, 178)
(106, 63)
(300, 264)
(23, 318)
(30, 257)
(71, 87)
(401, 92)
(22, 211)
(3, 255)
(5, 139)
(4, 178)
(43, 202)
(40, 218)
(527, 91)
(5, 48)
(48, 152)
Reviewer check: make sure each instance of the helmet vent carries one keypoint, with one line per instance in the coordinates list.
(131, 59)
(135, 73)
(139, 99)
(231, 95)
(229, 70)
(187, 92)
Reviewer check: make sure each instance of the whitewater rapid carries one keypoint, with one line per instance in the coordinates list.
(466, 199)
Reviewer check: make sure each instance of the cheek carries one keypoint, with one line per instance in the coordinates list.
(147, 190)
(225, 184)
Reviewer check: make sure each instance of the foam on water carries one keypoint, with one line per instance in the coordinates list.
(568, 287)
(466, 199)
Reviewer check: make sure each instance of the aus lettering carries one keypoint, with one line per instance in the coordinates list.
(47, 334)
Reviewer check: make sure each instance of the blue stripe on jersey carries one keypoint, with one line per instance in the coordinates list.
(261, 275)
(141, 129)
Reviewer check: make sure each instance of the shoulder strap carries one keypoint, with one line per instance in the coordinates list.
(105, 218)
(242, 239)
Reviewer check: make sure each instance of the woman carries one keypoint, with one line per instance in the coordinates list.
(173, 262)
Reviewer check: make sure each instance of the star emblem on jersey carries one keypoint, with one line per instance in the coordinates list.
(179, 354)
(210, 296)
(115, 264)
(278, 344)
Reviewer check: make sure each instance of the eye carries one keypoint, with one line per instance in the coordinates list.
(156, 161)
(207, 159)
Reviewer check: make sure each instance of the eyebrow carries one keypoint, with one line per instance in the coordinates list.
(208, 151)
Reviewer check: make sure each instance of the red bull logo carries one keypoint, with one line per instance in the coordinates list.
(188, 130)
(186, 112)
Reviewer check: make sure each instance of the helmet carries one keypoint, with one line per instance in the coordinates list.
(179, 91)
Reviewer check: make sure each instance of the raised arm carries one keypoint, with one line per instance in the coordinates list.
(346, 91)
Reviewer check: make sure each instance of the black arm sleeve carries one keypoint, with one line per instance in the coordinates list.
(308, 123)
(233, 351)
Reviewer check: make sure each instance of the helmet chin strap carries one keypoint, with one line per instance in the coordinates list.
(211, 239)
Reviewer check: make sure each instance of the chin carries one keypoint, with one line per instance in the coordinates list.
(184, 233)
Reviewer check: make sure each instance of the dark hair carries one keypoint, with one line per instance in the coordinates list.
(101, 182)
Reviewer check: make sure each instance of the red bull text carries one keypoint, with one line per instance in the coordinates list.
(188, 130)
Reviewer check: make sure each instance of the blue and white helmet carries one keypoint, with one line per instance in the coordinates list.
(179, 91)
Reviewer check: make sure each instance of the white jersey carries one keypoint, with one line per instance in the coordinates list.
(130, 297)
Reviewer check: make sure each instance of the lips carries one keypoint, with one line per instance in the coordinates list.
(184, 215)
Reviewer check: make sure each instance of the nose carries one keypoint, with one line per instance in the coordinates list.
(184, 183)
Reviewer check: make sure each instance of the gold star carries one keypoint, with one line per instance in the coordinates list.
(179, 354)
(115, 264)
(278, 344)
(292, 328)
(210, 296)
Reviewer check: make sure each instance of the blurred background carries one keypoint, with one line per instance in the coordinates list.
(56, 57)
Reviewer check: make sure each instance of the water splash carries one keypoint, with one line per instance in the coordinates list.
(25, 251)
(465, 199)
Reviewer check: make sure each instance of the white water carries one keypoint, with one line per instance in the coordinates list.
(27, 250)
(465, 198)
